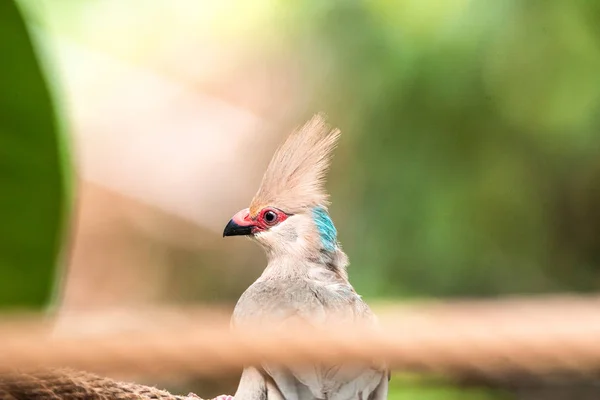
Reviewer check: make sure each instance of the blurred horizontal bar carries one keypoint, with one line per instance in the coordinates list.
(487, 338)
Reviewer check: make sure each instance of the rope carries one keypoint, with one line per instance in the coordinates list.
(75, 385)
(487, 339)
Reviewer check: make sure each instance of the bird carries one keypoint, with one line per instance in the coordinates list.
(306, 274)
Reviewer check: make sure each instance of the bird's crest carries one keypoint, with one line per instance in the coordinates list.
(295, 177)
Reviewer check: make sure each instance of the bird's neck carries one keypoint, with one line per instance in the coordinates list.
(322, 265)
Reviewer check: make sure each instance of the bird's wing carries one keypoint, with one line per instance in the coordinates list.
(381, 392)
(252, 385)
(256, 385)
(312, 304)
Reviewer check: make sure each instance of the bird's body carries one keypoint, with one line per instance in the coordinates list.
(285, 298)
(305, 277)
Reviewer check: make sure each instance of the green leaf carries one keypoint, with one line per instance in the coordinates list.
(33, 182)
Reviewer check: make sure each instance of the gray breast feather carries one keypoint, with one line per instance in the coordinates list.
(279, 301)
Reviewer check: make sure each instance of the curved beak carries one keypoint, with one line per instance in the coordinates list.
(240, 225)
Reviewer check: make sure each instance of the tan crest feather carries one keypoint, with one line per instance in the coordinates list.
(295, 177)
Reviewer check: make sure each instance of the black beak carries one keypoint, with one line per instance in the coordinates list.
(233, 229)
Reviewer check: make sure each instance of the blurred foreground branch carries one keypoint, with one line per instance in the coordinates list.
(487, 339)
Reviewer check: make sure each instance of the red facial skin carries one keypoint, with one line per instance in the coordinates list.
(259, 223)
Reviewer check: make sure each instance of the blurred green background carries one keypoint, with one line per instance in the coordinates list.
(468, 166)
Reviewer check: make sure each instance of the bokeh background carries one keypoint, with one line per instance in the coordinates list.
(468, 165)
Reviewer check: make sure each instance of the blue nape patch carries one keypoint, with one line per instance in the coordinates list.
(326, 228)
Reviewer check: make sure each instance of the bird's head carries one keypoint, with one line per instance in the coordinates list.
(288, 214)
(284, 233)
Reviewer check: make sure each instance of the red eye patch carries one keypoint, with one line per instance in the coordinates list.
(269, 217)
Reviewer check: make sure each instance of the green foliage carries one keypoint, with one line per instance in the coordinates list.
(469, 165)
(441, 393)
(407, 387)
(32, 179)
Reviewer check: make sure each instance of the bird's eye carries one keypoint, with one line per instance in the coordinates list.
(270, 217)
